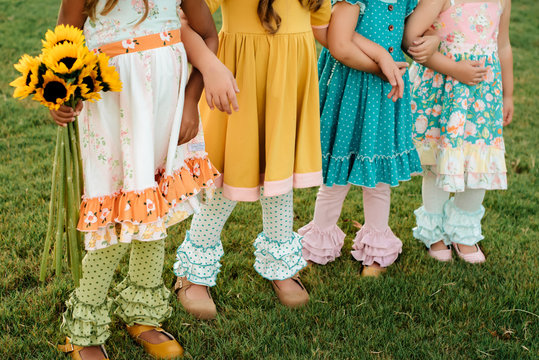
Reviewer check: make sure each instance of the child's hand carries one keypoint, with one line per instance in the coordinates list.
(469, 72)
(190, 122)
(221, 88)
(423, 48)
(508, 109)
(403, 66)
(65, 114)
(393, 73)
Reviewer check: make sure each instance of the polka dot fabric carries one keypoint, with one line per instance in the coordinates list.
(142, 297)
(366, 138)
(277, 248)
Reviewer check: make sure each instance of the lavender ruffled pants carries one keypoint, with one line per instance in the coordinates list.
(374, 243)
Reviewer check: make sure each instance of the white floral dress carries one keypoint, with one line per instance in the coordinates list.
(131, 192)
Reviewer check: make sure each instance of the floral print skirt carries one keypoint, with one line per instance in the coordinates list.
(125, 139)
(458, 128)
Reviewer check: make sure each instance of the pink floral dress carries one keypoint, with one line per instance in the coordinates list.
(458, 128)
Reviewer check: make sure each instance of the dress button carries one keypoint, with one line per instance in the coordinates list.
(390, 7)
(390, 49)
(390, 27)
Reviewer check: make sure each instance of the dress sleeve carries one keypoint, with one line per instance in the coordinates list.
(213, 5)
(359, 3)
(410, 6)
(320, 18)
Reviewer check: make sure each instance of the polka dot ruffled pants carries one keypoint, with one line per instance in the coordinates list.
(141, 297)
(278, 250)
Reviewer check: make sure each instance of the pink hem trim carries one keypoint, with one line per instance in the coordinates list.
(271, 188)
(320, 26)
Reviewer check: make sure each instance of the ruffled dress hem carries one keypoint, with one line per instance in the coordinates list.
(145, 215)
(369, 171)
(472, 166)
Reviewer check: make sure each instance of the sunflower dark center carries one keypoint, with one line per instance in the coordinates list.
(68, 61)
(62, 42)
(89, 82)
(28, 78)
(53, 91)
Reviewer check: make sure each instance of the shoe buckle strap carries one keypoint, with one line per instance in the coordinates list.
(67, 348)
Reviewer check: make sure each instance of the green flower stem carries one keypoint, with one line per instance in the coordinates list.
(52, 204)
(71, 207)
(60, 221)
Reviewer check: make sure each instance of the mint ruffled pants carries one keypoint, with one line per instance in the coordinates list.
(141, 297)
(455, 220)
(277, 248)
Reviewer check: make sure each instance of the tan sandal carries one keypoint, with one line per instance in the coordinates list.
(202, 309)
(74, 351)
(292, 299)
(170, 349)
(372, 271)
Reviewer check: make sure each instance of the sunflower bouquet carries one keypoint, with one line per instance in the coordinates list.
(65, 73)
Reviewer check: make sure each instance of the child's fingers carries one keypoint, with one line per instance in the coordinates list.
(78, 107)
(217, 103)
(225, 104)
(400, 84)
(209, 101)
(401, 64)
(419, 41)
(233, 100)
(392, 92)
(235, 84)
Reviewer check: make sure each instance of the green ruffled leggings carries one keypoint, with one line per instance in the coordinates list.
(141, 297)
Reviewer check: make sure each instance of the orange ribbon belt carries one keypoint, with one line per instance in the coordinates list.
(141, 43)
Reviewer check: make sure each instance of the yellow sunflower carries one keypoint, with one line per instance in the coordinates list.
(26, 84)
(107, 75)
(66, 58)
(88, 86)
(54, 92)
(63, 34)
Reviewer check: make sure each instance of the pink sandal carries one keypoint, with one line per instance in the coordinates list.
(472, 258)
(443, 255)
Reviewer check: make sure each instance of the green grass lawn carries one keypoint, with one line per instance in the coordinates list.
(421, 309)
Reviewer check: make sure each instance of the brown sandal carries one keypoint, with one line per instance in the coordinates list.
(202, 309)
(295, 298)
(74, 351)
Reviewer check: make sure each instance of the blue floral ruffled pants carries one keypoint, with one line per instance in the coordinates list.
(278, 248)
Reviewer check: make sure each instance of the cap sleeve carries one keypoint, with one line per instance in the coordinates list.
(359, 3)
(410, 6)
(213, 5)
(320, 18)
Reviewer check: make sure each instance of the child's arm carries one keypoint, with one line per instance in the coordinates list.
(71, 13)
(357, 52)
(320, 22)
(419, 22)
(505, 54)
(220, 85)
(423, 48)
(467, 71)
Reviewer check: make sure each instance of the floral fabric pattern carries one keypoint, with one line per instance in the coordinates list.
(458, 128)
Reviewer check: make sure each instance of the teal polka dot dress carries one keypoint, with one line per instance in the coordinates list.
(366, 137)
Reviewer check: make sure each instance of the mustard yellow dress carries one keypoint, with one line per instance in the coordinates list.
(274, 139)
